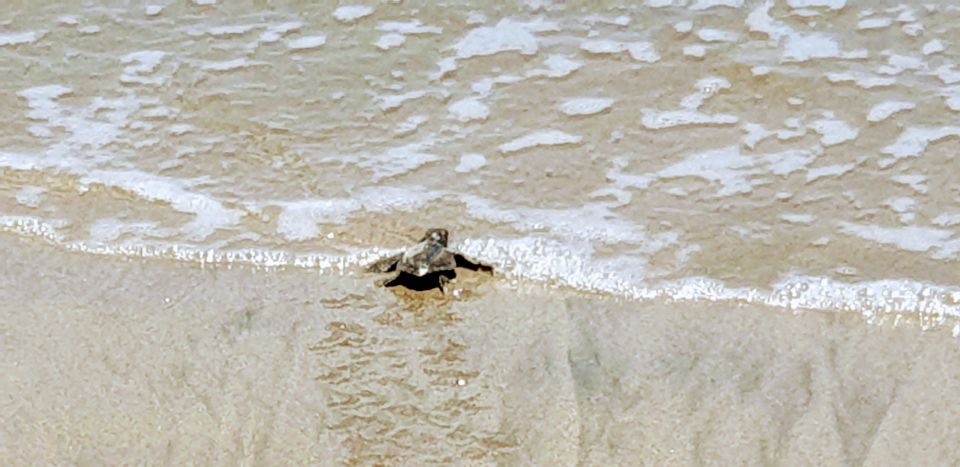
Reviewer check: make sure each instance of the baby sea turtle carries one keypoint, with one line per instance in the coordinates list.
(427, 264)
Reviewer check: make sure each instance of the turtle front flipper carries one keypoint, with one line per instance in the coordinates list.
(388, 264)
(467, 263)
(442, 282)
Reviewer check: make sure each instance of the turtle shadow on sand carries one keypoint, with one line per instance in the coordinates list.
(427, 265)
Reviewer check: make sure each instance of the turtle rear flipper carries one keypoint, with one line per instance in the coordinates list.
(467, 263)
(388, 264)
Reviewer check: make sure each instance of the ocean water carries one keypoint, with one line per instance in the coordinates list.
(795, 153)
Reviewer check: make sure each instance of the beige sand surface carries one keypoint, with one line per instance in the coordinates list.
(112, 361)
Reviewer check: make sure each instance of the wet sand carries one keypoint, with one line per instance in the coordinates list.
(118, 361)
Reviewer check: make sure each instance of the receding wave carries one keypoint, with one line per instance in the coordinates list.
(553, 264)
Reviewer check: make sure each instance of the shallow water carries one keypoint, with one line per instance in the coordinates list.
(773, 152)
(781, 155)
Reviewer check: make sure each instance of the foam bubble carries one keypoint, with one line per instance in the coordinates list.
(914, 140)
(389, 41)
(907, 14)
(483, 87)
(726, 166)
(231, 30)
(408, 27)
(885, 109)
(804, 47)
(410, 124)
(708, 4)
(896, 64)
(803, 219)
(622, 20)
(41, 99)
(139, 64)
(275, 32)
(395, 101)
(603, 46)
(540, 138)
(874, 23)
(910, 238)
(915, 181)
(307, 42)
(861, 80)
(444, 66)
(790, 160)
(558, 66)
(30, 196)
(398, 160)
(18, 38)
(695, 51)
(947, 219)
(933, 47)
(830, 4)
(299, 220)
(947, 74)
(34, 227)
(230, 65)
(759, 20)
(505, 36)
(145, 61)
(717, 35)
(952, 98)
(755, 133)
(658, 120)
(833, 132)
(585, 106)
(643, 52)
(834, 170)
(912, 29)
(902, 205)
(639, 51)
(469, 109)
(351, 13)
(470, 162)
(108, 230)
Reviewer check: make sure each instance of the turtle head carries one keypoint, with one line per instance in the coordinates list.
(436, 236)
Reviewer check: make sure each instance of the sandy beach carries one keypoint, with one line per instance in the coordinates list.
(116, 361)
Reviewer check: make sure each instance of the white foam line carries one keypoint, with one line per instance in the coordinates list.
(566, 265)
(549, 261)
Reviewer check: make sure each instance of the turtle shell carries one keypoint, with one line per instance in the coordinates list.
(425, 258)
